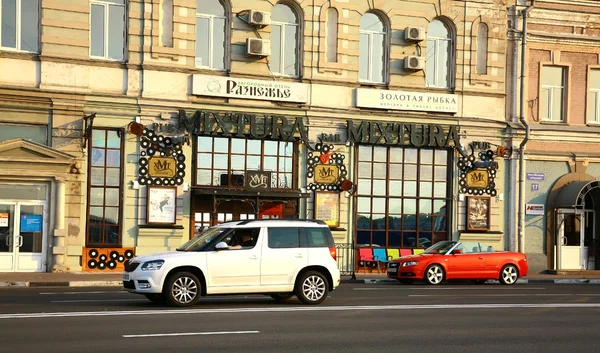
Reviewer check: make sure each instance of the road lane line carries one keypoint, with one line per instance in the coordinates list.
(71, 293)
(191, 334)
(451, 288)
(287, 309)
(99, 300)
(490, 295)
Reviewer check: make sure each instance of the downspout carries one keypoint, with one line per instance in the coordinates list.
(512, 172)
(523, 121)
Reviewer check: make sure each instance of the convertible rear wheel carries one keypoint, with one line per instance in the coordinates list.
(434, 274)
(509, 275)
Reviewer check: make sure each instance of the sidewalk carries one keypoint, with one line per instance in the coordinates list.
(95, 279)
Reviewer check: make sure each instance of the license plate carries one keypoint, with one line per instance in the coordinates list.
(126, 277)
(392, 270)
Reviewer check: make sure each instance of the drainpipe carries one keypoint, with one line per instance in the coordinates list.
(523, 121)
(512, 109)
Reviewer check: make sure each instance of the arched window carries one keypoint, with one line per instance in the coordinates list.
(372, 53)
(482, 48)
(332, 34)
(211, 29)
(285, 29)
(439, 69)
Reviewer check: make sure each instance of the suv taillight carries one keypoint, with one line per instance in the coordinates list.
(333, 253)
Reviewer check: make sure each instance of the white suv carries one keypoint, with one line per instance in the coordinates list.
(280, 258)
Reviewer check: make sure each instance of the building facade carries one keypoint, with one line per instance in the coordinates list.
(129, 126)
(561, 106)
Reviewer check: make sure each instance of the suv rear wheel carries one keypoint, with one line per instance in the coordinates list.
(312, 288)
(183, 289)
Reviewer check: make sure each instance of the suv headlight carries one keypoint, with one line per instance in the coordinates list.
(410, 263)
(152, 265)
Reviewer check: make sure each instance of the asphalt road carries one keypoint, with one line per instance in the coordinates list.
(355, 318)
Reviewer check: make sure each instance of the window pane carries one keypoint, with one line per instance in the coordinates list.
(410, 172)
(112, 139)
(116, 32)
(425, 189)
(205, 160)
(364, 170)
(203, 177)
(202, 41)
(364, 205)
(113, 177)
(220, 161)
(238, 146)
(98, 138)
(283, 13)
(410, 206)
(395, 206)
(410, 188)
(254, 147)
(219, 44)
(98, 156)
(96, 196)
(238, 162)
(112, 197)
(317, 237)
(30, 10)
(378, 63)
(283, 238)
(371, 22)
(557, 104)
(211, 7)
(363, 69)
(270, 148)
(592, 106)
(9, 23)
(482, 39)
(270, 163)
(36, 133)
(332, 36)
(440, 173)
(290, 57)
(426, 172)
(430, 63)
(552, 76)
(97, 176)
(221, 145)
(379, 170)
(441, 157)
(276, 50)
(378, 205)
(440, 189)
(205, 144)
(364, 187)
(395, 188)
(410, 155)
(444, 56)
(111, 215)
(544, 105)
(427, 156)
(286, 164)
(113, 158)
(95, 234)
(396, 171)
(286, 149)
(111, 234)
(253, 163)
(97, 31)
(425, 206)
(96, 215)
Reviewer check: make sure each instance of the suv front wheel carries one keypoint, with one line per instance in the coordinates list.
(312, 288)
(183, 289)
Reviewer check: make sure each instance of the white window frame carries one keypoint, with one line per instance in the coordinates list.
(211, 30)
(437, 64)
(551, 88)
(596, 92)
(369, 54)
(19, 29)
(282, 26)
(106, 5)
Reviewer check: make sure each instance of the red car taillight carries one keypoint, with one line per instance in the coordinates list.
(333, 253)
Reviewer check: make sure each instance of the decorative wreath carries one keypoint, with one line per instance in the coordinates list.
(154, 144)
(327, 155)
(486, 161)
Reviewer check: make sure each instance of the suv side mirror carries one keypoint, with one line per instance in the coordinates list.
(221, 246)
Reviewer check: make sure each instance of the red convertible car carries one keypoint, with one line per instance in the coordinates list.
(448, 260)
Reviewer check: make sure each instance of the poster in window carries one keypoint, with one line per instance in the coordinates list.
(478, 213)
(327, 208)
(4, 219)
(161, 205)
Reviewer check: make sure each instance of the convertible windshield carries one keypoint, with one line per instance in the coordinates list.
(201, 240)
(441, 247)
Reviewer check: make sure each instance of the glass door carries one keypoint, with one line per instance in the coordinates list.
(22, 234)
(7, 237)
(573, 224)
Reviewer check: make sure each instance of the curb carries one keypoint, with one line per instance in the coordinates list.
(64, 284)
(520, 280)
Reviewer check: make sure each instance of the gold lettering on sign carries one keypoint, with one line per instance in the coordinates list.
(162, 167)
(326, 173)
(478, 178)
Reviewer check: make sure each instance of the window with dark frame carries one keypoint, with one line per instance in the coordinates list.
(223, 161)
(402, 196)
(105, 189)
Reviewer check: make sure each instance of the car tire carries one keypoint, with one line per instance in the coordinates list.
(280, 297)
(509, 275)
(182, 289)
(406, 281)
(156, 298)
(434, 274)
(312, 288)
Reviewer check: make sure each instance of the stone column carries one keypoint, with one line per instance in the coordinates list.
(59, 244)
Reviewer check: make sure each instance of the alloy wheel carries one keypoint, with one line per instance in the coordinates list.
(184, 290)
(435, 274)
(509, 275)
(314, 288)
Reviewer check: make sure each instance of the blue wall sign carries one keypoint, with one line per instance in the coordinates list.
(535, 176)
(31, 223)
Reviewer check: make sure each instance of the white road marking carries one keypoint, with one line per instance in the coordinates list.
(99, 300)
(299, 309)
(190, 334)
(449, 288)
(490, 295)
(71, 293)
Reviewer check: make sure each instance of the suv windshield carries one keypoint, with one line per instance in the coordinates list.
(201, 240)
(441, 247)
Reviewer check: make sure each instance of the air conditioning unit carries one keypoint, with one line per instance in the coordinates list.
(258, 47)
(414, 34)
(259, 18)
(414, 63)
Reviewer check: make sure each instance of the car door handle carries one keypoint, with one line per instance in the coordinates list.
(299, 255)
(480, 257)
(253, 257)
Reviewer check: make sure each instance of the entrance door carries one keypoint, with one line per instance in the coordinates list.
(22, 236)
(573, 226)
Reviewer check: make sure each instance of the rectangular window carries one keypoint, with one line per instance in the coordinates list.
(105, 190)
(318, 237)
(20, 27)
(593, 101)
(210, 41)
(222, 161)
(402, 196)
(107, 29)
(283, 238)
(35, 133)
(552, 100)
(284, 49)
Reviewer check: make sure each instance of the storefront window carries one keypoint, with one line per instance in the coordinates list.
(222, 161)
(105, 167)
(402, 196)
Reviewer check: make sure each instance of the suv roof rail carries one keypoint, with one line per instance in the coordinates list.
(318, 221)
